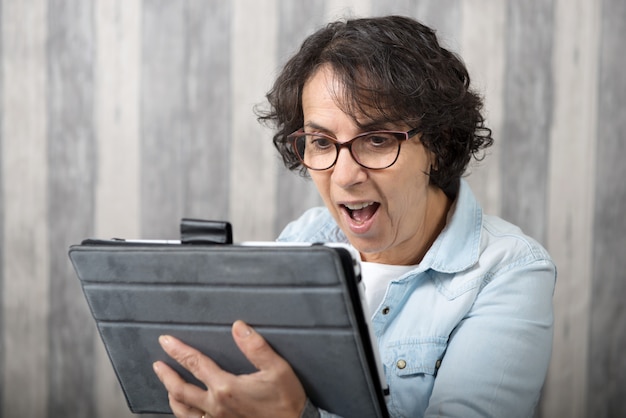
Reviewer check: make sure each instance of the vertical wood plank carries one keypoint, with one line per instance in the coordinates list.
(185, 113)
(294, 193)
(117, 66)
(527, 115)
(570, 204)
(444, 16)
(607, 339)
(25, 239)
(71, 183)
(483, 31)
(253, 160)
(208, 105)
(164, 121)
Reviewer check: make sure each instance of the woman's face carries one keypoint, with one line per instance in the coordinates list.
(390, 216)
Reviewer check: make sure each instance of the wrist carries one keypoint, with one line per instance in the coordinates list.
(309, 411)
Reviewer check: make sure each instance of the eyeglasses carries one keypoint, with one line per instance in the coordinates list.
(375, 150)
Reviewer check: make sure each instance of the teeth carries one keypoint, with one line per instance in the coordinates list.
(357, 206)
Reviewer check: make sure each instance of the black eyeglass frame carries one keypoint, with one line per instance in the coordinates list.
(293, 137)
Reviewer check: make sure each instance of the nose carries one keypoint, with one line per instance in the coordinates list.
(346, 171)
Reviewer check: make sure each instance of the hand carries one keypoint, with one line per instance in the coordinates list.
(273, 391)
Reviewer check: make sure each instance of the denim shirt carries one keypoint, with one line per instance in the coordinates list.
(468, 333)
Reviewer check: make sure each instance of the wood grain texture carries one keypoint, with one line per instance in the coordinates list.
(25, 287)
(209, 107)
(482, 45)
(117, 200)
(164, 120)
(607, 338)
(253, 161)
(570, 197)
(528, 101)
(72, 163)
(121, 116)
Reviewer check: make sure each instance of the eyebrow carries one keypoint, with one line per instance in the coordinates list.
(315, 126)
(376, 126)
(367, 127)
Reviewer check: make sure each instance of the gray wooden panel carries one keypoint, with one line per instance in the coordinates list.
(117, 25)
(71, 180)
(295, 22)
(185, 101)
(607, 339)
(528, 103)
(24, 241)
(253, 162)
(570, 203)
(294, 193)
(207, 79)
(164, 121)
(483, 29)
(444, 16)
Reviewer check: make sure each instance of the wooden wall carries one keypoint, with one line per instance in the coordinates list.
(119, 117)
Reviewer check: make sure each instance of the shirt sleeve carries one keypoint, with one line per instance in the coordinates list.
(497, 356)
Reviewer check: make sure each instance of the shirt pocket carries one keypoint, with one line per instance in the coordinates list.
(411, 369)
(415, 356)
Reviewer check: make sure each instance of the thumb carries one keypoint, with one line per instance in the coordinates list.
(254, 347)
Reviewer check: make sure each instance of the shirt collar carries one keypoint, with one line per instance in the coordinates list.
(457, 246)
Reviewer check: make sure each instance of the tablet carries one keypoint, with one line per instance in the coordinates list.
(304, 299)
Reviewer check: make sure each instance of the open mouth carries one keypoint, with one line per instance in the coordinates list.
(361, 212)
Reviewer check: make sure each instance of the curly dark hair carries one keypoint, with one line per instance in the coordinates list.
(392, 69)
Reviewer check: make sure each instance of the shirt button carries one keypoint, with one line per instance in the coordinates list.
(401, 364)
(385, 310)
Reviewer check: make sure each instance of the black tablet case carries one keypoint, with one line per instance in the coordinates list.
(303, 299)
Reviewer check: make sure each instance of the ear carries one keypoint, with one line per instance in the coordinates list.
(433, 164)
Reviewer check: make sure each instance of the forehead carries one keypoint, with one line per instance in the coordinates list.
(325, 89)
(323, 85)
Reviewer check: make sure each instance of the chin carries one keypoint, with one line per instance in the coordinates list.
(367, 249)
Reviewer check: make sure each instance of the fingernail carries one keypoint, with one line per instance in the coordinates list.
(243, 330)
(155, 366)
(164, 339)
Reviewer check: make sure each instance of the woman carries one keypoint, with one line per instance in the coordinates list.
(382, 119)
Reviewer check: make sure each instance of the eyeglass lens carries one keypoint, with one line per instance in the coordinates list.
(374, 150)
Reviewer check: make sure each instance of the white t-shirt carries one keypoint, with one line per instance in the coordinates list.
(376, 277)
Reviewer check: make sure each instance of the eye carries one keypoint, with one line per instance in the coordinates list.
(319, 143)
(380, 140)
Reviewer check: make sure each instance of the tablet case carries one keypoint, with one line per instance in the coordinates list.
(304, 300)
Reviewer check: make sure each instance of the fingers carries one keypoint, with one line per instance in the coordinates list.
(184, 396)
(181, 410)
(181, 394)
(255, 348)
(201, 366)
(274, 388)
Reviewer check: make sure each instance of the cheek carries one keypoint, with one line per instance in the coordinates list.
(322, 183)
(407, 193)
